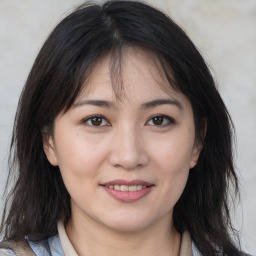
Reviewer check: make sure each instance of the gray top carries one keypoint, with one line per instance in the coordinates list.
(53, 247)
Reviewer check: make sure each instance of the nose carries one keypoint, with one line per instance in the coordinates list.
(128, 150)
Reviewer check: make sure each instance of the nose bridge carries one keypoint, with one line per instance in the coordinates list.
(128, 150)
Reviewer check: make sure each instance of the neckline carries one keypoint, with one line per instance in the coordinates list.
(68, 249)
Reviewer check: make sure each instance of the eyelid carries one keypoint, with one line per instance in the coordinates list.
(170, 119)
(88, 118)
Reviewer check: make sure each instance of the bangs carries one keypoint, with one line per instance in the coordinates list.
(164, 76)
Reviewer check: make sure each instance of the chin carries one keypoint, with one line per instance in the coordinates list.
(127, 228)
(128, 224)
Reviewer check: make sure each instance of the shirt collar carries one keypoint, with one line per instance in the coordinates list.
(185, 248)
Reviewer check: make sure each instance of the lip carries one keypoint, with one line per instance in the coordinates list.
(128, 196)
(127, 183)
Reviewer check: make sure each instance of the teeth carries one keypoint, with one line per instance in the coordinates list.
(139, 187)
(117, 187)
(133, 188)
(127, 188)
(124, 188)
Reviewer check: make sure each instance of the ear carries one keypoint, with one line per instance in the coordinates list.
(198, 144)
(195, 155)
(49, 149)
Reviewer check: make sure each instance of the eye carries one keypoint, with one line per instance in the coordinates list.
(161, 120)
(96, 120)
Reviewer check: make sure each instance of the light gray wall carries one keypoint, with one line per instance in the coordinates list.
(224, 31)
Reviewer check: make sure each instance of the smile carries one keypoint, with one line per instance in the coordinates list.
(128, 191)
(126, 188)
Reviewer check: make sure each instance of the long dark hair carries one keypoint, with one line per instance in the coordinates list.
(39, 198)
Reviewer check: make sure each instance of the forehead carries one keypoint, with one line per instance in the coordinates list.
(132, 74)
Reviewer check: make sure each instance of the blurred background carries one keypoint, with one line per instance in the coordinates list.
(223, 30)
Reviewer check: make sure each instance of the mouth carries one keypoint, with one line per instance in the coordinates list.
(127, 191)
(126, 188)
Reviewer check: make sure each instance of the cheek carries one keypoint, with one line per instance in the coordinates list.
(172, 158)
(79, 165)
(174, 176)
(79, 154)
(173, 152)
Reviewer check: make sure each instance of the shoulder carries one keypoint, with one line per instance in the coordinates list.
(48, 247)
(195, 251)
(6, 252)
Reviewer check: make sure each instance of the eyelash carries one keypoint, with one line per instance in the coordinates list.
(166, 119)
(90, 119)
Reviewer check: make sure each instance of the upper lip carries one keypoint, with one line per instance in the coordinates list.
(127, 183)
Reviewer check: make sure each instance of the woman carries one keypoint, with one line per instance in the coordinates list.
(122, 143)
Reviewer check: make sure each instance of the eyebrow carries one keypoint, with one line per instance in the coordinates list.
(159, 102)
(146, 105)
(98, 103)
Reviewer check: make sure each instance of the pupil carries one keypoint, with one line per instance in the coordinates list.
(158, 120)
(96, 121)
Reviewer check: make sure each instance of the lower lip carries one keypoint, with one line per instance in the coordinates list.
(128, 196)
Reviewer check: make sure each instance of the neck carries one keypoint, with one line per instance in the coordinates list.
(92, 239)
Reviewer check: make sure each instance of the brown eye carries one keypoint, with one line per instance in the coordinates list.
(96, 121)
(158, 120)
(161, 120)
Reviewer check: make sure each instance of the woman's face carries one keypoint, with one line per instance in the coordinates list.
(125, 163)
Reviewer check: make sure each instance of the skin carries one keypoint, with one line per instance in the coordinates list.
(128, 144)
